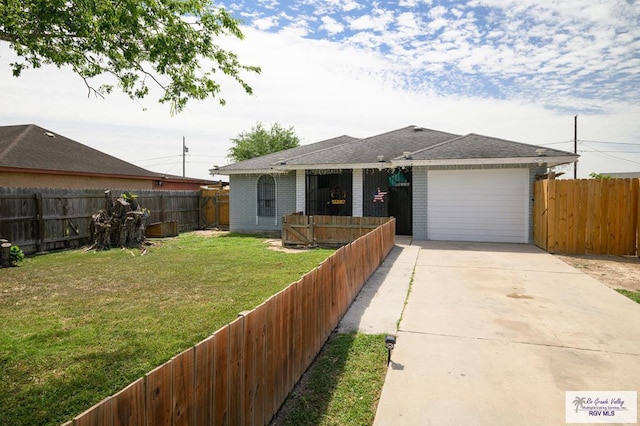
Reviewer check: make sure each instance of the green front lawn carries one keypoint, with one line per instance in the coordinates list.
(79, 326)
(343, 385)
(633, 295)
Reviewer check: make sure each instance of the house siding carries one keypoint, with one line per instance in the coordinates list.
(420, 193)
(243, 203)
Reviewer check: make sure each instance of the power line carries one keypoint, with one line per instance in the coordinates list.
(555, 143)
(613, 156)
(611, 143)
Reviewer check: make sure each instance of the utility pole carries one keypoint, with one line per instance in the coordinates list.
(575, 145)
(184, 151)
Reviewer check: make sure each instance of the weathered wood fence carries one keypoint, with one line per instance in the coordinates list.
(243, 372)
(328, 230)
(587, 216)
(40, 220)
(215, 207)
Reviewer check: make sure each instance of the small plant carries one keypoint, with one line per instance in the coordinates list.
(129, 196)
(15, 255)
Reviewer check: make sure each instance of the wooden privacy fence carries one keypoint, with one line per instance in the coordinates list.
(44, 219)
(330, 230)
(215, 207)
(587, 216)
(242, 373)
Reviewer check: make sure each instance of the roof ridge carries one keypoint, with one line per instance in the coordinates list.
(323, 149)
(17, 140)
(441, 143)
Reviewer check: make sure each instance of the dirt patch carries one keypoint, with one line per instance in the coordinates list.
(613, 271)
(210, 232)
(276, 245)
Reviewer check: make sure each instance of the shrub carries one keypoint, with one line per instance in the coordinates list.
(15, 255)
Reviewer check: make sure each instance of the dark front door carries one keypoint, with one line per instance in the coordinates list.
(329, 194)
(400, 207)
(400, 201)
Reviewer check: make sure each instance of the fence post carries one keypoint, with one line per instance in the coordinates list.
(636, 194)
(40, 229)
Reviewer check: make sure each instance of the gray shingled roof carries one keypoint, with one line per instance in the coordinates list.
(34, 148)
(423, 145)
(390, 145)
(478, 146)
(269, 161)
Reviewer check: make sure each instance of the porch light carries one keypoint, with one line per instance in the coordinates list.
(381, 158)
(406, 155)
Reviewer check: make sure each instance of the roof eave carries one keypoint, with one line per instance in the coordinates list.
(284, 168)
(542, 160)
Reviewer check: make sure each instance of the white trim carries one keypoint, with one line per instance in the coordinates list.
(357, 193)
(301, 191)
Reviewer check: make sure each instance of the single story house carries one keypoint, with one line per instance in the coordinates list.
(438, 185)
(33, 157)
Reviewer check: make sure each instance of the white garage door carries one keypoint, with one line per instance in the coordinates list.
(478, 205)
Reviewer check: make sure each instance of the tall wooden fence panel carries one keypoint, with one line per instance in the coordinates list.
(242, 374)
(587, 216)
(215, 207)
(330, 230)
(44, 219)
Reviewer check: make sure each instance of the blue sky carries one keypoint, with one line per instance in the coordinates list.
(514, 69)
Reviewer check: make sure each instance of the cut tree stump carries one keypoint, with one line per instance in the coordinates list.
(120, 224)
(5, 253)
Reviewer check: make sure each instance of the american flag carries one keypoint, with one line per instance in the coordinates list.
(379, 196)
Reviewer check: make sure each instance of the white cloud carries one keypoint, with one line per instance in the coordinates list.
(265, 23)
(331, 26)
(377, 21)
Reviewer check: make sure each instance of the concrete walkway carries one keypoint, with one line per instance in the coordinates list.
(378, 306)
(494, 334)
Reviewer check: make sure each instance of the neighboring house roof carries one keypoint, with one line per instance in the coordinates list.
(34, 149)
(409, 146)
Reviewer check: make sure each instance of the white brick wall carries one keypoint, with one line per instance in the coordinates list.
(357, 184)
(243, 203)
(301, 187)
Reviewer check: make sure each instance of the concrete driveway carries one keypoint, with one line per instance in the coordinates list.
(494, 334)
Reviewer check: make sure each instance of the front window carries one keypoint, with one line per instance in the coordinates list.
(266, 196)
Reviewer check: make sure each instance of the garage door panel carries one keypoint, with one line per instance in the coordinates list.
(478, 205)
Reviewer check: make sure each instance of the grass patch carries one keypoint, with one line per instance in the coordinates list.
(343, 385)
(633, 295)
(79, 326)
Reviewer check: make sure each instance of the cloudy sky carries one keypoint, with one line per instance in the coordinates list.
(515, 69)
